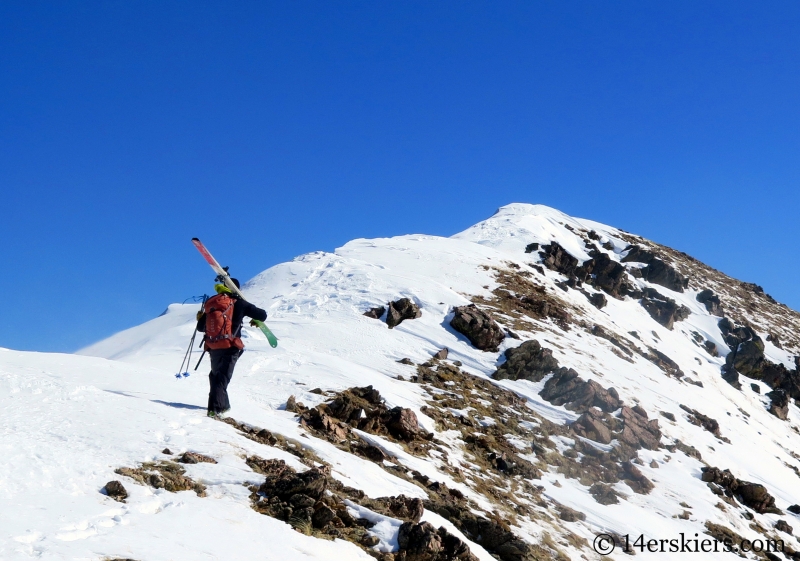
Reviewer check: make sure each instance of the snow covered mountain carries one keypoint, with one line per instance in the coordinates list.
(593, 384)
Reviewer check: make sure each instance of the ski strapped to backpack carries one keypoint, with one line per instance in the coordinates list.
(223, 276)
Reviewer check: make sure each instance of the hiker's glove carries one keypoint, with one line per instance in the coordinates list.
(200, 314)
(253, 323)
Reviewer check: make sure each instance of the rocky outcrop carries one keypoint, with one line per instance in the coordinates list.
(600, 270)
(559, 259)
(699, 419)
(597, 300)
(363, 409)
(567, 388)
(593, 425)
(657, 271)
(752, 495)
(375, 313)
(638, 431)
(711, 302)
(423, 542)
(529, 361)
(779, 404)
(663, 309)
(400, 310)
(478, 326)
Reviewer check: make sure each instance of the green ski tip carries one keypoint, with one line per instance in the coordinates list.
(273, 341)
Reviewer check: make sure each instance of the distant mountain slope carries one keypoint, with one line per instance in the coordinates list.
(619, 380)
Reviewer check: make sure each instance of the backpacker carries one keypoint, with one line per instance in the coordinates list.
(219, 323)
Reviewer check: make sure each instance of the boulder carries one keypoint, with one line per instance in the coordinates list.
(478, 326)
(116, 491)
(441, 354)
(657, 271)
(783, 526)
(711, 302)
(591, 425)
(568, 389)
(779, 405)
(402, 424)
(638, 431)
(597, 300)
(531, 247)
(559, 259)
(662, 309)
(606, 274)
(423, 542)
(406, 508)
(753, 495)
(400, 310)
(529, 361)
(604, 494)
(748, 358)
(375, 313)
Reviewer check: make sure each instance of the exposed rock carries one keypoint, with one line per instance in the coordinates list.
(711, 302)
(597, 300)
(794, 509)
(116, 491)
(665, 363)
(400, 310)
(531, 247)
(656, 271)
(364, 409)
(529, 361)
(423, 542)
(606, 274)
(291, 404)
(752, 495)
(375, 313)
(697, 418)
(662, 309)
(195, 458)
(169, 476)
(636, 254)
(406, 508)
(591, 425)
(167, 451)
(568, 389)
(478, 326)
(604, 494)
(755, 387)
(441, 354)
(635, 479)
(402, 423)
(570, 515)
(775, 340)
(711, 348)
(783, 526)
(559, 259)
(639, 431)
(779, 405)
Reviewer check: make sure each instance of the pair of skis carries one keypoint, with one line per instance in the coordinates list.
(223, 276)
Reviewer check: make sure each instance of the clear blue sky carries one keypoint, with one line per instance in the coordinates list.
(270, 129)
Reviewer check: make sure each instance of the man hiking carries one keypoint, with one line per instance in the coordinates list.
(221, 321)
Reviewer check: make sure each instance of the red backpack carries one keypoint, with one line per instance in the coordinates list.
(219, 323)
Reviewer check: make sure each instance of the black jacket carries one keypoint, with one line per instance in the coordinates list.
(240, 309)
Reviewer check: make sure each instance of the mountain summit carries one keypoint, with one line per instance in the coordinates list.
(535, 387)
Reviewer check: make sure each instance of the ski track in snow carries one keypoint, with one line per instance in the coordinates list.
(68, 421)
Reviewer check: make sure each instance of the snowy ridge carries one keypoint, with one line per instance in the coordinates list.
(70, 420)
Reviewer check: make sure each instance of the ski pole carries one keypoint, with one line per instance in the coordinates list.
(201, 360)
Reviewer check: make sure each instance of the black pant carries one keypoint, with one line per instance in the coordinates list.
(223, 361)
